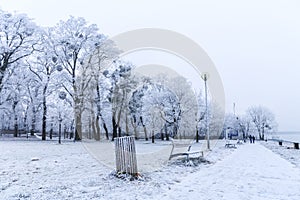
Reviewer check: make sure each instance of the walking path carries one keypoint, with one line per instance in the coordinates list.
(251, 172)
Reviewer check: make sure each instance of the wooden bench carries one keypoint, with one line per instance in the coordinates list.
(182, 147)
(295, 144)
(230, 145)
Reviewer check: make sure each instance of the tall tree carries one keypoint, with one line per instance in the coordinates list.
(42, 65)
(263, 119)
(101, 60)
(75, 41)
(121, 84)
(17, 40)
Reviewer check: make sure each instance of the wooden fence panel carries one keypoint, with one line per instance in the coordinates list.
(126, 161)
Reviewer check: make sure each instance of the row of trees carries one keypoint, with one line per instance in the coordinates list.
(71, 75)
(258, 120)
(39, 66)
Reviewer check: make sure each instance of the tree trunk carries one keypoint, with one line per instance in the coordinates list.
(90, 129)
(166, 133)
(78, 127)
(127, 126)
(51, 131)
(152, 136)
(94, 130)
(44, 122)
(133, 123)
(114, 125)
(106, 131)
(104, 127)
(162, 135)
(16, 127)
(145, 129)
(33, 121)
(72, 130)
(120, 131)
(65, 131)
(15, 103)
(97, 124)
(263, 133)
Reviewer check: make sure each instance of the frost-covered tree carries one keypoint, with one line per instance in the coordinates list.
(102, 60)
(17, 40)
(121, 85)
(33, 88)
(16, 98)
(75, 41)
(42, 65)
(149, 96)
(263, 119)
(188, 102)
(231, 125)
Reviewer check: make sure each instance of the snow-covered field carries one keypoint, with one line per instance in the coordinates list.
(45, 170)
(286, 151)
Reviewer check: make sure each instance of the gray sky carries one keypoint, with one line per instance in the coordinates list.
(255, 44)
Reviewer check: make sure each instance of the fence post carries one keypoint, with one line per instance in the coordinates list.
(126, 155)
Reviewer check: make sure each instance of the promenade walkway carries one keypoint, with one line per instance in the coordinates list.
(251, 172)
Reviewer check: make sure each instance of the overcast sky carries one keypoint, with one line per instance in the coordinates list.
(255, 44)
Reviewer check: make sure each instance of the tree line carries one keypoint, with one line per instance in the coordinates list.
(71, 77)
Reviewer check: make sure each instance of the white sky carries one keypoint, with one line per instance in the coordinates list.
(255, 44)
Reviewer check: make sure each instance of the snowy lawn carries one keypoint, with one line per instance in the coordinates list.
(45, 170)
(286, 151)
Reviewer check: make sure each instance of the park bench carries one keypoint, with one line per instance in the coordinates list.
(295, 144)
(229, 144)
(182, 147)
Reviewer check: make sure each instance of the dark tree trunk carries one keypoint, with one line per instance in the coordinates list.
(72, 130)
(44, 122)
(104, 127)
(51, 131)
(152, 137)
(166, 133)
(106, 131)
(65, 131)
(16, 126)
(78, 127)
(120, 131)
(133, 123)
(114, 124)
(162, 135)
(97, 129)
(145, 129)
(15, 103)
(33, 121)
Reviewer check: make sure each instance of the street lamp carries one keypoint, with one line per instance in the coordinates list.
(205, 77)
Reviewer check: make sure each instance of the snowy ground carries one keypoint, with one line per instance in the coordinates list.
(286, 151)
(46, 170)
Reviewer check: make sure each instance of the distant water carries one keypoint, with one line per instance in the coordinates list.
(289, 136)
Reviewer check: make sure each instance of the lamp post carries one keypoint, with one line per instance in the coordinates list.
(205, 78)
